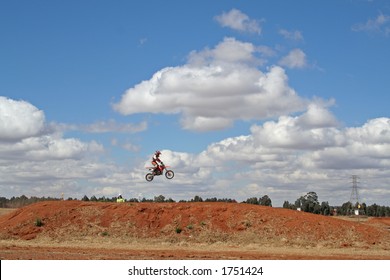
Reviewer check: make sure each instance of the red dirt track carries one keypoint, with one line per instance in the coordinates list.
(97, 230)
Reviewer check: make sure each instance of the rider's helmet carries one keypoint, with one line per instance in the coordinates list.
(157, 153)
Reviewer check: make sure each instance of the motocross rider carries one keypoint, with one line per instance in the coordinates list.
(156, 160)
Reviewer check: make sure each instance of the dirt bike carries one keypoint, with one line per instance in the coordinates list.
(159, 170)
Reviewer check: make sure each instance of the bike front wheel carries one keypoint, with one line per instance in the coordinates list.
(169, 174)
(149, 177)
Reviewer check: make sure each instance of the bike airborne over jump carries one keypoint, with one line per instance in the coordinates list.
(159, 170)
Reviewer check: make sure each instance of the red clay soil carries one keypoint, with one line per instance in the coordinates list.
(110, 230)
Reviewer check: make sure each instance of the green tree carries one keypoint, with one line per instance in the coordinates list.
(252, 200)
(363, 208)
(316, 209)
(325, 208)
(381, 211)
(3, 202)
(289, 205)
(159, 198)
(345, 209)
(265, 201)
(308, 203)
(197, 199)
(387, 211)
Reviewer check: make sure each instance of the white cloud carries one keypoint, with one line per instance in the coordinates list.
(287, 134)
(237, 20)
(128, 146)
(317, 116)
(229, 51)
(283, 158)
(365, 147)
(381, 24)
(19, 119)
(35, 157)
(375, 131)
(215, 88)
(73, 177)
(26, 136)
(200, 123)
(48, 147)
(291, 35)
(108, 191)
(54, 147)
(294, 59)
(287, 158)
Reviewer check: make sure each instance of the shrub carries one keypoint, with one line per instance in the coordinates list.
(191, 226)
(38, 222)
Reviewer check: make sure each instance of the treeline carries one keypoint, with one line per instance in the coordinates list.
(160, 199)
(307, 203)
(16, 202)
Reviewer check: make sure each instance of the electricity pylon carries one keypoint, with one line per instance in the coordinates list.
(354, 199)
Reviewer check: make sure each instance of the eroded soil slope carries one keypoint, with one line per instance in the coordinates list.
(194, 225)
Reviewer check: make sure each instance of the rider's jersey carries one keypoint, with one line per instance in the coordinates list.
(156, 159)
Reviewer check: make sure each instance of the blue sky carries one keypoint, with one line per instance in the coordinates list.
(244, 98)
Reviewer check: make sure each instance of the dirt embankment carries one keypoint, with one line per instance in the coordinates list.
(200, 229)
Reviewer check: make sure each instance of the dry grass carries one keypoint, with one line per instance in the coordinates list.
(117, 248)
(4, 211)
(357, 219)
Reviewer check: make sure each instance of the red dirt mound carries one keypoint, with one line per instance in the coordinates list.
(204, 223)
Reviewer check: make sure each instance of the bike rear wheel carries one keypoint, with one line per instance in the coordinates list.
(169, 174)
(149, 177)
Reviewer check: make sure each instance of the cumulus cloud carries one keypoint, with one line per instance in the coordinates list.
(52, 147)
(26, 136)
(237, 20)
(321, 141)
(294, 59)
(317, 116)
(48, 147)
(19, 119)
(365, 147)
(228, 52)
(375, 131)
(215, 88)
(286, 157)
(294, 153)
(33, 154)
